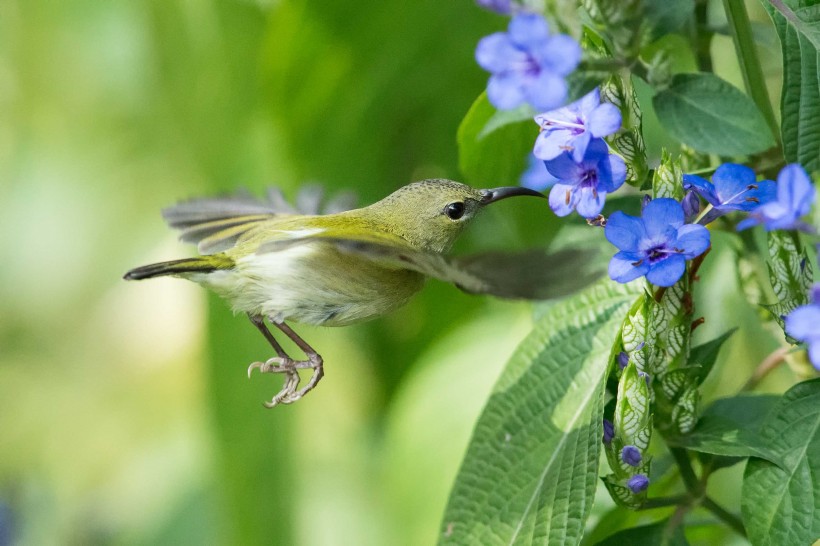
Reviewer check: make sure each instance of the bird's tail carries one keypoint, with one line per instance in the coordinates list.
(200, 264)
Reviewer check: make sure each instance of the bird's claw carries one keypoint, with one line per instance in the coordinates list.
(276, 364)
(288, 394)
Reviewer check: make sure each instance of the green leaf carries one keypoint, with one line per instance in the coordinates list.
(647, 535)
(705, 355)
(501, 118)
(493, 150)
(668, 178)
(666, 17)
(779, 505)
(730, 427)
(803, 19)
(790, 273)
(530, 472)
(712, 116)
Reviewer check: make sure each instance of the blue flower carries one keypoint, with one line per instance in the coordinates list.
(803, 324)
(631, 455)
(795, 195)
(733, 187)
(583, 185)
(656, 245)
(637, 483)
(503, 7)
(609, 431)
(570, 129)
(537, 177)
(528, 65)
(623, 359)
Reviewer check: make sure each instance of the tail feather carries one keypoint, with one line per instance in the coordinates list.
(202, 264)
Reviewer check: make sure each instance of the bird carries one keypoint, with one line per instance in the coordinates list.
(271, 261)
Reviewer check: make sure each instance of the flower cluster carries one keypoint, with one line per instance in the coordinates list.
(571, 145)
(527, 63)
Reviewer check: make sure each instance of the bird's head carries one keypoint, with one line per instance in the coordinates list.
(431, 214)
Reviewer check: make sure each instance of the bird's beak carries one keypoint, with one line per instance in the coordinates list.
(497, 194)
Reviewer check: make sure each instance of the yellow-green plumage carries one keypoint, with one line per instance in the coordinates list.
(336, 269)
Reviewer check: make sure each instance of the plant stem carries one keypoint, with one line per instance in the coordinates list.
(725, 516)
(763, 369)
(687, 473)
(753, 79)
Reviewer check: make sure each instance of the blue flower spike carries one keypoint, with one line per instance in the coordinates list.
(571, 128)
(795, 196)
(583, 186)
(637, 483)
(631, 455)
(528, 64)
(656, 245)
(803, 324)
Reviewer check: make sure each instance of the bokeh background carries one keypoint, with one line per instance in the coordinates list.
(126, 416)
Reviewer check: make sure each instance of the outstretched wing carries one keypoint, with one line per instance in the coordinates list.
(533, 274)
(215, 224)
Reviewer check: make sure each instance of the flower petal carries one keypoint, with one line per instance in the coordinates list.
(624, 231)
(804, 322)
(622, 268)
(703, 187)
(795, 190)
(528, 30)
(604, 120)
(546, 91)
(565, 169)
(551, 143)
(560, 54)
(589, 203)
(537, 177)
(495, 53)
(617, 173)
(693, 239)
(579, 145)
(505, 91)
(667, 272)
(562, 199)
(587, 104)
(661, 214)
(730, 180)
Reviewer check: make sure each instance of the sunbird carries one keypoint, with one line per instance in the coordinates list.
(269, 261)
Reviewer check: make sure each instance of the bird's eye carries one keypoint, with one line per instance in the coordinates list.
(454, 211)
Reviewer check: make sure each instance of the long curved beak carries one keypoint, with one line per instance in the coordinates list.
(497, 194)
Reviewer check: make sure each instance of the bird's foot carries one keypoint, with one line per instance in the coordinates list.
(288, 394)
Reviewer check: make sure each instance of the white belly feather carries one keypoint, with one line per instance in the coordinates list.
(296, 284)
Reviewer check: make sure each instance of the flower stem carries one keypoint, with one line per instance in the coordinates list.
(738, 19)
(687, 473)
(765, 367)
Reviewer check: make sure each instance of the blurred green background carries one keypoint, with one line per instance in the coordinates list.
(126, 415)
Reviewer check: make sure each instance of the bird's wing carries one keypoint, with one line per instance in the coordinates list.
(534, 274)
(215, 224)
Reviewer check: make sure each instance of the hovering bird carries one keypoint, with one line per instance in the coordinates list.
(268, 260)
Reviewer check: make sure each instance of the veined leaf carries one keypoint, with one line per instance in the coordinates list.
(798, 25)
(647, 535)
(530, 472)
(711, 115)
(790, 273)
(730, 427)
(779, 505)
